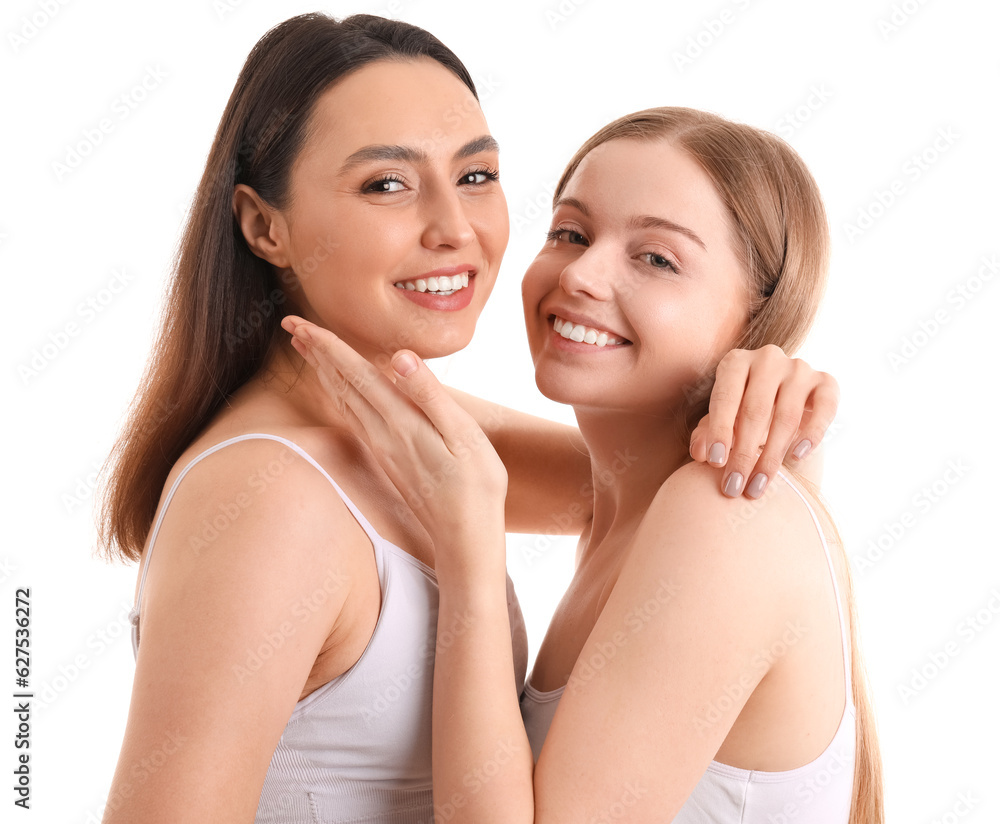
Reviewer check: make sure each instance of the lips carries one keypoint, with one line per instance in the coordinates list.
(445, 280)
(579, 328)
(442, 284)
(447, 289)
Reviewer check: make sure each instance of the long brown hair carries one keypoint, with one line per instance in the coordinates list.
(224, 305)
(781, 234)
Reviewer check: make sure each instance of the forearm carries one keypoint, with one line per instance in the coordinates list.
(482, 761)
(548, 467)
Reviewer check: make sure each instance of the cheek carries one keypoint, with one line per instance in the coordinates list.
(534, 285)
(492, 225)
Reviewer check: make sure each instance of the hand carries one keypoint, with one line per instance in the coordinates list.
(763, 397)
(432, 450)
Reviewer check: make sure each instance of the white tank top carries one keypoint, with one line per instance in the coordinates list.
(358, 749)
(819, 792)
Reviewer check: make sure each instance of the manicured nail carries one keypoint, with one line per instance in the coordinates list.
(717, 454)
(801, 449)
(404, 364)
(734, 484)
(756, 485)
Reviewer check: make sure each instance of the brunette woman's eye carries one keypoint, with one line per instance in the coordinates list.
(478, 177)
(567, 236)
(384, 185)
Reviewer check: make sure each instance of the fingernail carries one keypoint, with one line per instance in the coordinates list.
(801, 449)
(734, 484)
(404, 364)
(756, 485)
(717, 454)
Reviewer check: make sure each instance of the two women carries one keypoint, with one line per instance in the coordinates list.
(287, 607)
(694, 671)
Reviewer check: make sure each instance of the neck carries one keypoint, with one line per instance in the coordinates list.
(632, 454)
(287, 374)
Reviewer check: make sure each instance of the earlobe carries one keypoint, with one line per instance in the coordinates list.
(263, 227)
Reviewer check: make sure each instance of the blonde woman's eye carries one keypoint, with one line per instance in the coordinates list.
(659, 261)
(567, 236)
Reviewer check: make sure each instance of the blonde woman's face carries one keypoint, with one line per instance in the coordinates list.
(397, 222)
(640, 272)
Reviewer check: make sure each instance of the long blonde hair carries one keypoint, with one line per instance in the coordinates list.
(781, 234)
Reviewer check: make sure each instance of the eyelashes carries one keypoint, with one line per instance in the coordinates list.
(654, 259)
(383, 185)
(390, 183)
(567, 235)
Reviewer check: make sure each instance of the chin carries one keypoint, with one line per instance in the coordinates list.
(441, 343)
(560, 390)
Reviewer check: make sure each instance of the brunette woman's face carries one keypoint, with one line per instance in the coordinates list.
(396, 222)
(638, 292)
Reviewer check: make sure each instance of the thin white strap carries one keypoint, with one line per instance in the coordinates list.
(361, 519)
(844, 636)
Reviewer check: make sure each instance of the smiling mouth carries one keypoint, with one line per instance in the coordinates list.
(585, 334)
(443, 285)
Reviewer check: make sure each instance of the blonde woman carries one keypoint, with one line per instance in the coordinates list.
(695, 671)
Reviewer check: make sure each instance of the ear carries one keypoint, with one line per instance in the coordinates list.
(264, 228)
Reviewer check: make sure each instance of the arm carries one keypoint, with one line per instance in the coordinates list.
(548, 468)
(759, 397)
(205, 717)
(481, 760)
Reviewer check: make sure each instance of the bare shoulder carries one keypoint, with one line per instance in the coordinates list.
(258, 479)
(767, 540)
(248, 513)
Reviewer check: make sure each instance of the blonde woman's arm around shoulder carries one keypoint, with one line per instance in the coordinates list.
(208, 701)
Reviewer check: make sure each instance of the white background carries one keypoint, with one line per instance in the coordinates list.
(858, 87)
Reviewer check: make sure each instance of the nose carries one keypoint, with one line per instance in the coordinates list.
(446, 222)
(589, 273)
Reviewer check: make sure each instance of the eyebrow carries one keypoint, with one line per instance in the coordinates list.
(409, 154)
(639, 221)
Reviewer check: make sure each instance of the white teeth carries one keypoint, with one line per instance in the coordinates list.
(442, 285)
(583, 334)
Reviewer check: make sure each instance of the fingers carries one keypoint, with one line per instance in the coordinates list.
(785, 410)
(727, 393)
(770, 409)
(698, 447)
(758, 470)
(383, 410)
(458, 429)
(356, 389)
(820, 412)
